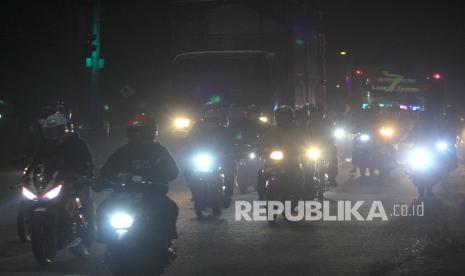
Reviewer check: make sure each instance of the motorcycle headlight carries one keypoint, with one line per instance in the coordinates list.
(441, 146)
(387, 132)
(121, 221)
(339, 133)
(276, 155)
(53, 192)
(364, 137)
(314, 153)
(420, 159)
(263, 119)
(182, 123)
(252, 155)
(28, 194)
(203, 162)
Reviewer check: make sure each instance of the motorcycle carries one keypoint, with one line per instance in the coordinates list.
(248, 163)
(283, 176)
(207, 183)
(53, 217)
(134, 238)
(23, 221)
(429, 163)
(375, 151)
(316, 173)
(362, 152)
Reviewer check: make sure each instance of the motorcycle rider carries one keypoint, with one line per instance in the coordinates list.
(64, 151)
(143, 156)
(365, 122)
(284, 133)
(321, 130)
(431, 126)
(213, 131)
(251, 129)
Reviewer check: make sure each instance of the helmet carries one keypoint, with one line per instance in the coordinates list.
(215, 116)
(253, 112)
(55, 126)
(141, 128)
(317, 112)
(284, 115)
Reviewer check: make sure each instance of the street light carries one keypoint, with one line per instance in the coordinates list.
(343, 53)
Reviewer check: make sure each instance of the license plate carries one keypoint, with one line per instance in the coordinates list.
(40, 209)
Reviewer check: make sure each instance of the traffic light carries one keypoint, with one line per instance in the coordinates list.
(437, 76)
(91, 45)
(90, 48)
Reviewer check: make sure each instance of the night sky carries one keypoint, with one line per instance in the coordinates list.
(43, 59)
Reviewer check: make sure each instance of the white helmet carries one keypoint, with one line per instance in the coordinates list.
(55, 126)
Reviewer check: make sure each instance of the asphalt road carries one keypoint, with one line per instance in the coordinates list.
(228, 247)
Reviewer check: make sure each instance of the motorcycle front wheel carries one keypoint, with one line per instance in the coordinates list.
(24, 227)
(43, 242)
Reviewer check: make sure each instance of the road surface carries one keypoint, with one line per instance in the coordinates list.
(228, 247)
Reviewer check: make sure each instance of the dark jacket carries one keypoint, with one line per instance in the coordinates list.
(249, 132)
(71, 155)
(290, 139)
(219, 139)
(152, 161)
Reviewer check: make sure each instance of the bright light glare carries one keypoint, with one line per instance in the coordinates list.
(339, 133)
(277, 155)
(121, 221)
(53, 192)
(263, 119)
(387, 131)
(28, 194)
(441, 146)
(182, 122)
(364, 137)
(314, 153)
(203, 162)
(420, 159)
(252, 155)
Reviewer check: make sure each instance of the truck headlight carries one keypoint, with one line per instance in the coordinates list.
(182, 123)
(387, 132)
(121, 221)
(276, 155)
(314, 153)
(203, 162)
(364, 137)
(420, 159)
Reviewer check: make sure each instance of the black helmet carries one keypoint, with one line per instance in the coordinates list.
(55, 126)
(284, 115)
(141, 128)
(253, 112)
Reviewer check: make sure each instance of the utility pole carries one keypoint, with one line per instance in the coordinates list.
(95, 63)
(307, 71)
(95, 56)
